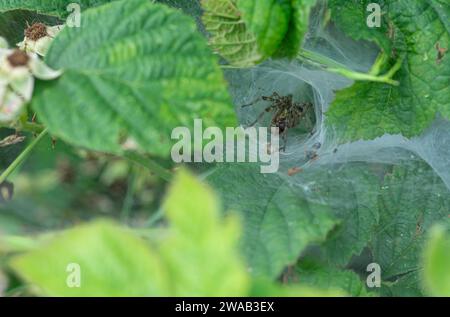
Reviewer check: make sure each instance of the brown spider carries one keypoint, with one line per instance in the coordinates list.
(287, 114)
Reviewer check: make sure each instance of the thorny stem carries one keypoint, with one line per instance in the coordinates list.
(22, 157)
(26, 126)
(149, 164)
(128, 201)
(32, 127)
(335, 67)
(332, 66)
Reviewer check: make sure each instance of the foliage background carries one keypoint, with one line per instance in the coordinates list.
(244, 233)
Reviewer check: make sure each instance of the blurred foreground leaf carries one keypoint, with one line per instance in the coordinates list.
(201, 253)
(197, 256)
(437, 262)
(112, 262)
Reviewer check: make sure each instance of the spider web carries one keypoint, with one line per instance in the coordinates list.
(307, 83)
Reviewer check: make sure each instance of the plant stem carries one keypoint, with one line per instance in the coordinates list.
(22, 157)
(26, 127)
(363, 77)
(154, 218)
(335, 67)
(32, 127)
(128, 201)
(149, 164)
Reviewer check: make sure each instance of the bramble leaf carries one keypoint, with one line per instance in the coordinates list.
(149, 72)
(351, 17)
(197, 256)
(352, 193)
(407, 212)
(246, 32)
(110, 260)
(368, 110)
(57, 8)
(278, 222)
(313, 274)
(437, 262)
(268, 21)
(229, 35)
(201, 251)
(298, 27)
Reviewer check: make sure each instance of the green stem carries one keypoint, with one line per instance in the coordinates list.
(128, 201)
(379, 63)
(335, 67)
(22, 157)
(25, 126)
(149, 164)
(154, 218)
(32, 127)
(318, 59)
(363, 77)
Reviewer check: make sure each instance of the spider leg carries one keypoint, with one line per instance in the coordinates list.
(272, 98)
(253, 102)
(275, 95)
(289, 99)
(268, 98)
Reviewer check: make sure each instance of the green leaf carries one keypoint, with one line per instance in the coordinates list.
(48, 7)
(298, 27)
(351, 17)
(229, 35)
(132, 70)
(312, 274)
(411, 201)
(437, 262)
(369, 110)
(201, 252)
(268, 21)
(197, 255)
(112, 262)
(407, 285)
(192, 7)
(352, 191)
(279, 223)
(245, 32)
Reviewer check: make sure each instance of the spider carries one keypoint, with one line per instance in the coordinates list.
(287, 113)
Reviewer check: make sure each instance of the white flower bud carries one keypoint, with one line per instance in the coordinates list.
(17, 72)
